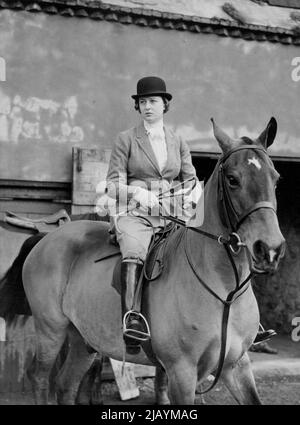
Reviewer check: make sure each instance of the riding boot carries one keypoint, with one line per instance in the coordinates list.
(130, 273)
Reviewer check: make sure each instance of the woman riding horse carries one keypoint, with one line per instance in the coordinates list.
(144, 163)
(203, 296)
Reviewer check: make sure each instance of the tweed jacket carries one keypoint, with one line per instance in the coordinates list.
(133, 163)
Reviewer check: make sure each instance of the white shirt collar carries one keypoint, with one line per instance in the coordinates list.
(157, 127)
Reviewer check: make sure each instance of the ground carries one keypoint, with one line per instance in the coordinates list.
(279, 391)
(282, 391)
(277, 378)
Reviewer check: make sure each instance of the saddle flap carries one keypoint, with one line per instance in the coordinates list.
(152, 268)
(116, 279)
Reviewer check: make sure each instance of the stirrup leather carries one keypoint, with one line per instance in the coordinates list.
(133, 333)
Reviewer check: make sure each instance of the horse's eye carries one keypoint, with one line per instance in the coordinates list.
(233, 182)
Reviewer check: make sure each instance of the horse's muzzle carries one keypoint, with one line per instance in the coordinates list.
(266, 259)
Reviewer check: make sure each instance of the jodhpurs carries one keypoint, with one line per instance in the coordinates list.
(134, 236)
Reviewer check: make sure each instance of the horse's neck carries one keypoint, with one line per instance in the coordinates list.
(212, 221)
(211, 257)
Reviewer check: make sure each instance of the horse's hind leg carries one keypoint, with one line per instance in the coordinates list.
(49, 343)
(77, 363)
(240, 382)
(90, 388)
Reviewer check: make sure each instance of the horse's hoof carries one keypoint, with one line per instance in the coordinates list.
(82, 401)
(65, 399)
(96, 399)
(165, 402)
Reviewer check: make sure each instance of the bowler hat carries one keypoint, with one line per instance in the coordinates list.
(151, 86)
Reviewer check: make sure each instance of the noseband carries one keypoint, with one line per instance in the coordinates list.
(231, 219)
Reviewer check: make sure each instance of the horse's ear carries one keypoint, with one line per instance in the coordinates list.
(268, 135)
(225, 142)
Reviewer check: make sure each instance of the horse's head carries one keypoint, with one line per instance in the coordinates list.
(247, 200)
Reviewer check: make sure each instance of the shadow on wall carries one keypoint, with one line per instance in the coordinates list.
(278, 295)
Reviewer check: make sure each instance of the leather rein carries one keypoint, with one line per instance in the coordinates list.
(231, 220)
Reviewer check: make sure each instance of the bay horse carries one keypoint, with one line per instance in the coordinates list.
(201, 310)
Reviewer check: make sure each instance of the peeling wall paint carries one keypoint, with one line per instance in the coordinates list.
(38, 119)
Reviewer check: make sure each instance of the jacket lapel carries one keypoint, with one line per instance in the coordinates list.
(145, 145)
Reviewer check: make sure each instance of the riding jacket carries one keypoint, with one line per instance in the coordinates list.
(133, 163)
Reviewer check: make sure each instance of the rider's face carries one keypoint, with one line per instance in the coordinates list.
(151, 108)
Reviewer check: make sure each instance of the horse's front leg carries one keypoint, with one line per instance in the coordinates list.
(240, 382)
(161, 386)
(182, 378)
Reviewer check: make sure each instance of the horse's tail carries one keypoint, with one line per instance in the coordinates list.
(13, 299)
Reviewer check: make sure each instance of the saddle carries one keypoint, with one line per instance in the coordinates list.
(38, 225)
(153, 265)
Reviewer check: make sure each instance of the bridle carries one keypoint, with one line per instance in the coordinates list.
(230, 217)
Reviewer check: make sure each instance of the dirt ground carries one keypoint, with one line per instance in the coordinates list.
(277, 379)
(279, 391)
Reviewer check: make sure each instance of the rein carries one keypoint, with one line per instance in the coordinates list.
(239, 290)
(232, 220)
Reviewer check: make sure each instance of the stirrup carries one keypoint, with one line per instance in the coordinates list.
(133, 333)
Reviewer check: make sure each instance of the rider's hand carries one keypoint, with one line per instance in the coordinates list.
(145, 199)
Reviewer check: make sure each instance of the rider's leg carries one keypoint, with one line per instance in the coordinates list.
(130, 273)
(134, 236)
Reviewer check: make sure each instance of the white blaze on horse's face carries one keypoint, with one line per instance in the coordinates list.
(254, 161)
(272, 255)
